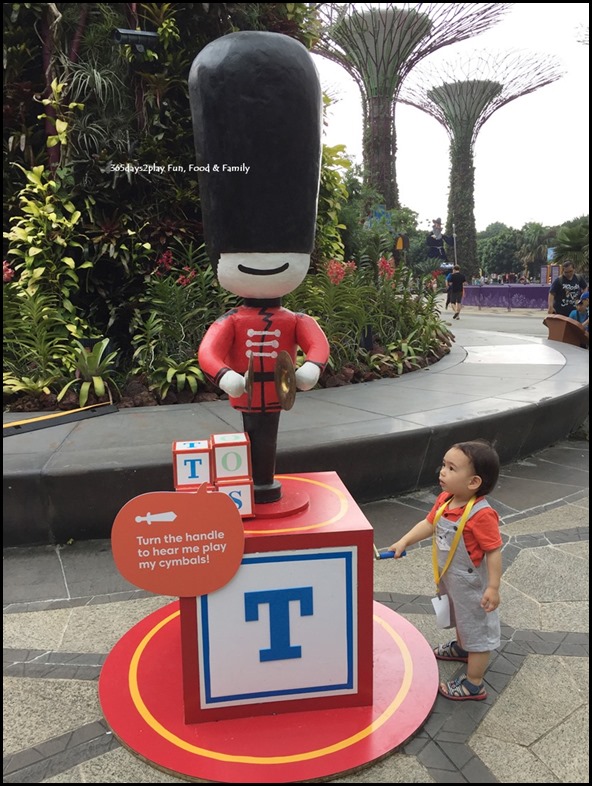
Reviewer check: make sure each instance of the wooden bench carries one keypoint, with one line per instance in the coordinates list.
(567, 330)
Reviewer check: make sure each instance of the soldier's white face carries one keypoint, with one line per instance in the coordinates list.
(262, 276)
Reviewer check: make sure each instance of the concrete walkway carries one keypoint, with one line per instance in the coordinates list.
(66, 606)
(387, 437)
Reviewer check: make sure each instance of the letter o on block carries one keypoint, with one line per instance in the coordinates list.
(231, 456)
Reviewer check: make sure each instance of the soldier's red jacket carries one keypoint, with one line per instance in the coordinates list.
(261, 331)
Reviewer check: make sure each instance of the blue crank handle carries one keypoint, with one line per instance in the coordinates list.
(389, 554)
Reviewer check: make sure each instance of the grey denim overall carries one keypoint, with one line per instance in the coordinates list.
(478, 630)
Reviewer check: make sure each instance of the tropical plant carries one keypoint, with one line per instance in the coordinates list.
(369, 230)
(573, 243)
(13, 384)
(36, 340)
(94, 372)
(402, 315)
(44, 236)
(129, 146)
(181, 300)
(532, 253)
(332, 196)
(180, 374)
(338, 298)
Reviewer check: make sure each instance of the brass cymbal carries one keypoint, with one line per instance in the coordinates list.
(249, 381)
(285, 380)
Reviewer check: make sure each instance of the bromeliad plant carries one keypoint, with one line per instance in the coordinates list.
(94, 372)
(178, 374)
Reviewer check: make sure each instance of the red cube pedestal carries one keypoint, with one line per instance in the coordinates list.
(293, 629)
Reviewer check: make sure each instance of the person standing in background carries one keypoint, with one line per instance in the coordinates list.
(580, 312)
(566, 290)
(448, 277)
(456, 288)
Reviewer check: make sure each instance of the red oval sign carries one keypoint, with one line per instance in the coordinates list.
(178, 543)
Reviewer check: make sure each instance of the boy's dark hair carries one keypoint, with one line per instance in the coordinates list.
(485, 461)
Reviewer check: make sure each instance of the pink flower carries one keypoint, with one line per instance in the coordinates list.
(186, 280)
(165, 262)
(386, 268)
(7, 272)
(337, 270)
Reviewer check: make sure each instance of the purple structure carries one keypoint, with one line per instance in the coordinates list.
(507, 296)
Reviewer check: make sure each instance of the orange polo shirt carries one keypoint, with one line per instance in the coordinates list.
(481, 533)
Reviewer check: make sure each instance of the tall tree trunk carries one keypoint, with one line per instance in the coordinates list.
(461, 204)
(131, 13)
(48, 52)
(380, 150)
(74, 52)
(51, 18)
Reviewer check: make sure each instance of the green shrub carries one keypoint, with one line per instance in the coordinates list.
(36, 340)
(181, 299)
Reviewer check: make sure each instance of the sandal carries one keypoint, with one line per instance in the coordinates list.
(461, 689)
(451, 651)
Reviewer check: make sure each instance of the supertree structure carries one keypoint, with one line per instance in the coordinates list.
(462, 96)
(378, 45)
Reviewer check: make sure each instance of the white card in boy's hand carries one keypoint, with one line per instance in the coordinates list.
(442, 609)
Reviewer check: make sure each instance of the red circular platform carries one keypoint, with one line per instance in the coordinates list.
(140, 690)
(292, 502)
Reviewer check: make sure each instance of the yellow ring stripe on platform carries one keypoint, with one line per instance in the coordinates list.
(343, 505)
(306, 755)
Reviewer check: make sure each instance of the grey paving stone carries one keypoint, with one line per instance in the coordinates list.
(37, 710)
(413, 746)
(396, 768)
(573, 616)
(433, 757)
(548, 574)
(476, 772)
(459, 754)
(531, 705)
(502, 665)
(507, 761)
(565, 748)
(445, 776)
(576, 638)
(496, 681)
(108, 768)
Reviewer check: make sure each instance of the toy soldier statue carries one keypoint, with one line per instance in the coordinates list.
(257, 112)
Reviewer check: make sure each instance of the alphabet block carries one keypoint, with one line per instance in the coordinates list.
(293, 629)
(231, 456)
(241, 492)
(191, 464)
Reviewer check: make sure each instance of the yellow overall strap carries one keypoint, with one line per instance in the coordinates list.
(461, 525)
